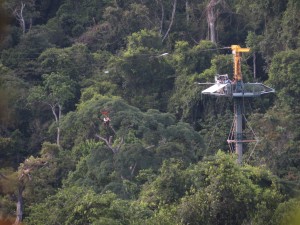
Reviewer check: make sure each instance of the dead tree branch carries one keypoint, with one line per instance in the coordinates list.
(109, 143)
(18, 13)
(172, 20)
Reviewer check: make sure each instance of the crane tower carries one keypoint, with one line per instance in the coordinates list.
(237, 90)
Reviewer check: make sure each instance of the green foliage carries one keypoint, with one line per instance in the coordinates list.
(279, 155)
(74, 17)
(56, 92)
(151, 128)
(7, 208)
(165, 216)
(96, 170)
(221, 188)
(142, 73)
(149, 138)
(132, 158)
(253, 41)
(74, 61)
(8, 94)
(3, 19)
(22, 57)
(56, 33)
(113, 31)
(214, 128)
(13, 114)
(220, 64)
(167, 188)
(80, 204)
(144, 39)
(290, 25)
(83, 206)
(82, 58)
(187, 102)
(193, 59)
(287, 213)
(8, 183)
(46, 179)
(284, 77)
(11, 147)
(83, 124)
(28, 12)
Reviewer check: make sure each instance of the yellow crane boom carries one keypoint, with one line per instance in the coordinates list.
(236, 51)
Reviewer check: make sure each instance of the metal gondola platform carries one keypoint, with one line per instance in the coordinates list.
(247, 90)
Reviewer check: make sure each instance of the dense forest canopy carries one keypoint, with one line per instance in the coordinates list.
(102, 122)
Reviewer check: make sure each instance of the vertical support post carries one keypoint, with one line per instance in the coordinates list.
(238, 117)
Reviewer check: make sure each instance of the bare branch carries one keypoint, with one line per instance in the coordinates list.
(109, 143)
(132, 169)
(112, 129)
(53, 112)
(18, 12)
(121, 143)
(103, 139)
(172, 20)
(151, 146)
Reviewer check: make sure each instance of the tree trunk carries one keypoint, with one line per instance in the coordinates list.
(187, 10)
(58, 126)
(162, 16)
(172, 20)
(254, 65)
(57, 117)
(20, 17)
(58, 136)
(19, 212)
(211, 25)
(109, 143)
(30, 24)
(211, 19)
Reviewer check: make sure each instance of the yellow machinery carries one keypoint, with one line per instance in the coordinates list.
(236, 51)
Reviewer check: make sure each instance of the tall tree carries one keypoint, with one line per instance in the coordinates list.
(23, 11)
(171, 22)
(38, 176)
(212, 13)
(56, 90)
